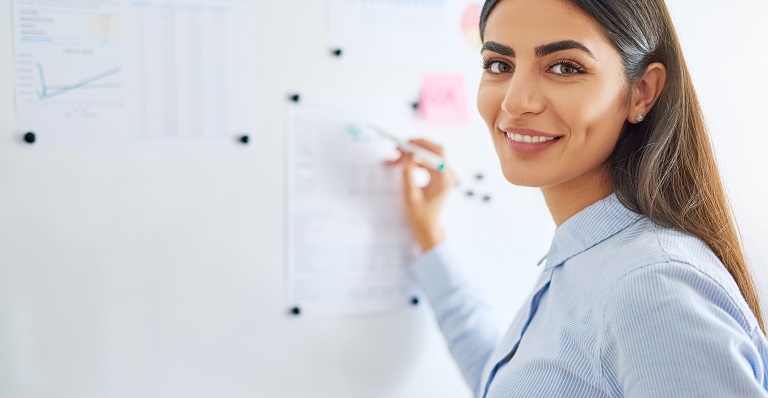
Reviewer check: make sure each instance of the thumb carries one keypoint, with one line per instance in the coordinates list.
(409, 186)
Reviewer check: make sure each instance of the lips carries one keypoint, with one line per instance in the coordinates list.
(528, 139)
(524, 141)
(529, 132)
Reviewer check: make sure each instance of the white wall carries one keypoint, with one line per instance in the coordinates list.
(159, 272)
(724, 45)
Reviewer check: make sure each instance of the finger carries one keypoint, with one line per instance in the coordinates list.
(409, 186)
(425, 166)
(449, 178)
(393, 162)
(433, 172)
(421, 164)
(429, 145)
(437, 178)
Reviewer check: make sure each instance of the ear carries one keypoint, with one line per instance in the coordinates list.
(646, 91)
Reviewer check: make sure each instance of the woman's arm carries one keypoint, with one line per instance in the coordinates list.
(465, 317)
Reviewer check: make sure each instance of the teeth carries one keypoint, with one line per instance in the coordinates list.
(528, 139)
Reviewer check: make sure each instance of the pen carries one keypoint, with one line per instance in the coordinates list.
(426, 156)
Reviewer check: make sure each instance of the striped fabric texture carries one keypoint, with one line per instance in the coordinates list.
(623, 308)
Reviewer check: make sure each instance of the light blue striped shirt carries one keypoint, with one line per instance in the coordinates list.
(623, 307)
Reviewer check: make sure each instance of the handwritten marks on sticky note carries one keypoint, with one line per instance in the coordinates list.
(443, 99)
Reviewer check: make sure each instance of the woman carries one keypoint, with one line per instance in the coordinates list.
(645, 291)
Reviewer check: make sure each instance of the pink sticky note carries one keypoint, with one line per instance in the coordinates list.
(443, 99)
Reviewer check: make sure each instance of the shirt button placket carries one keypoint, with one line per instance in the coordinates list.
(531, 312)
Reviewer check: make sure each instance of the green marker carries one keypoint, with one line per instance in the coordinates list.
(425, 156)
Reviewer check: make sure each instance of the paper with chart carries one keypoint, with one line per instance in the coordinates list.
(348, 240)
(432, 33)
(122, 70)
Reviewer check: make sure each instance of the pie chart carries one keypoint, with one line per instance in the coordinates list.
(470, 21)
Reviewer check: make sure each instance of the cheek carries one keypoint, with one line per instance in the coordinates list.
(489, 98)
(594, 117)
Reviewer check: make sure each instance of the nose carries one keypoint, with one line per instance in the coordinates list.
(523, 95)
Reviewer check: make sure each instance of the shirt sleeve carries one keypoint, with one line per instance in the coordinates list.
(465, 317)
(672, 331)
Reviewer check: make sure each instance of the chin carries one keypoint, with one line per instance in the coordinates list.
(523, 179)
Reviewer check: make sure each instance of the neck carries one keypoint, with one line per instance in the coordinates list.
(568, 198)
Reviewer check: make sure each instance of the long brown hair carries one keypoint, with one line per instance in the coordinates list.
(664, 167)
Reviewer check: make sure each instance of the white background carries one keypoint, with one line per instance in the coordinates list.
(158, 272)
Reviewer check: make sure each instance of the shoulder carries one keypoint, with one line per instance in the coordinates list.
(677, 295)
(643, 262)
(659, 318)
(673, 264)
(651, 264)
(645, 266)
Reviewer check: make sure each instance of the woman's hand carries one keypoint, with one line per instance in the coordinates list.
(423, 204)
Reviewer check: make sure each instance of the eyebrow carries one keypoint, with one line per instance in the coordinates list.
(498, 48)
(542, 50)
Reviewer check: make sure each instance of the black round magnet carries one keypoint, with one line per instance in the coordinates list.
(337, 52)
(487, 198)
(295, 310)
(30, 137)
(244, 139)
(415, 105)
(479, 176)
(470, 193)
(415, 300)
(295, 97)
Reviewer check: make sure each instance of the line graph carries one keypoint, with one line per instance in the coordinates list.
(58, 90)
(90, 71)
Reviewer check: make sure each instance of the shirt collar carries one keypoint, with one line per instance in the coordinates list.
(587, 228)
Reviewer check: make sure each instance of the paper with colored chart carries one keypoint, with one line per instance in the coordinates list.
(122, 72)
(348, 241)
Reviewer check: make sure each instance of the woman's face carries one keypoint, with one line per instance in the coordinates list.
(553, 92)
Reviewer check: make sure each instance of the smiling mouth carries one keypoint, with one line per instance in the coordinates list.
(521, 135)
(528, 142)
(529, 139)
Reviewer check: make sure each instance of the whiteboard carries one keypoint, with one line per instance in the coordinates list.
(159, 271)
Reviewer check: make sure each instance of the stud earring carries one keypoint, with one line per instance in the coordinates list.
(640, 117)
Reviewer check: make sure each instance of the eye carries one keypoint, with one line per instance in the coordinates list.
(496, 67)
(566, 68)
(499, 67)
